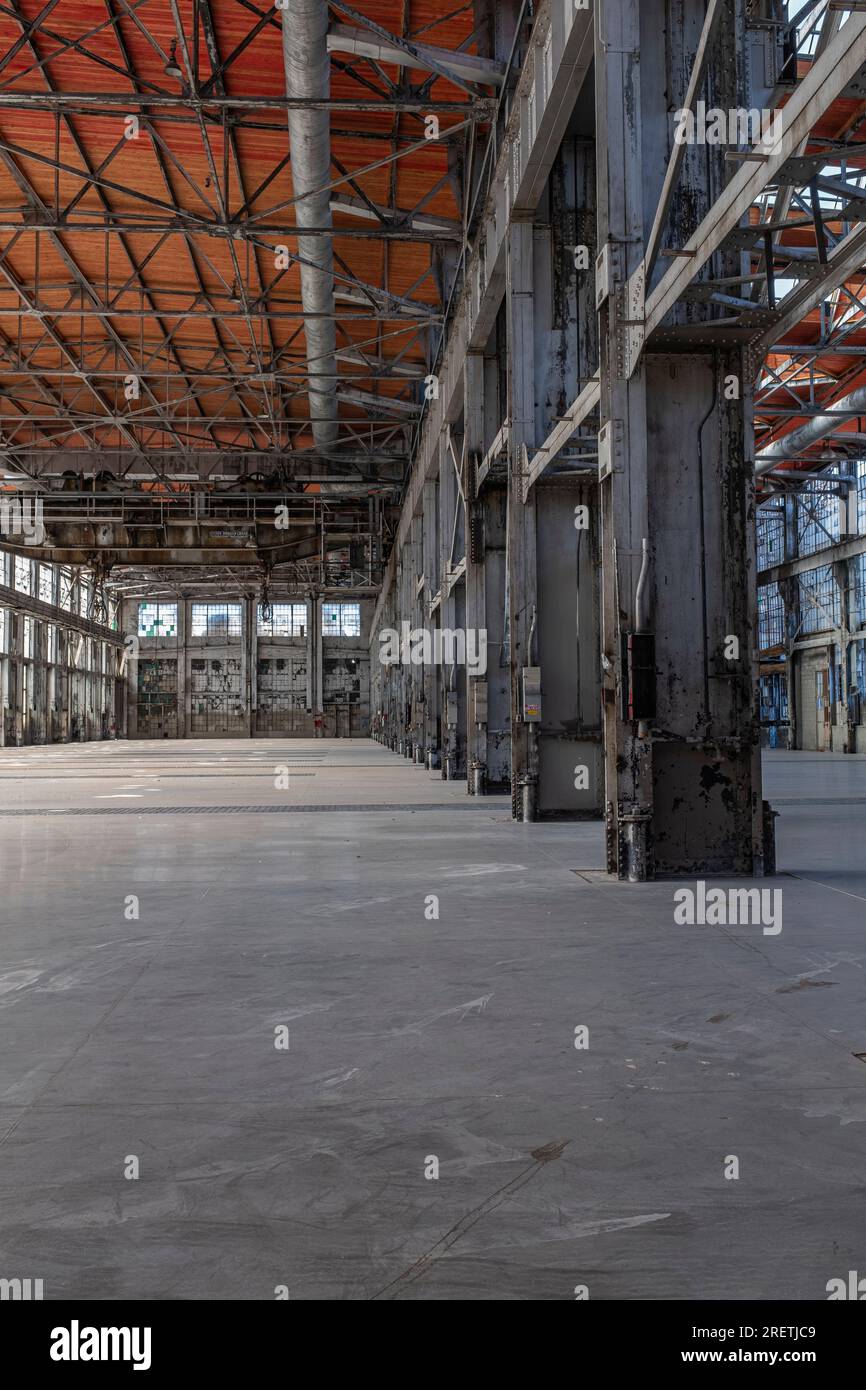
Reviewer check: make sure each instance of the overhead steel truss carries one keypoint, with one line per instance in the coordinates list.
(68, 350)
(795, 207)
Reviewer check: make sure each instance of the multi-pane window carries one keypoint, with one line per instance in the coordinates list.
(861, 496)
(97, 607)
(771, 617)
(216, 620)
(858, 591)
(4, 630)
(819, 600)
(46, 583)
(84, 598)
(22, 575)
(157, 620)
(286, 620)
(774, 698)
(771, 536)
(817, 521)
(341, 619)
(64, 584)
(29, 636)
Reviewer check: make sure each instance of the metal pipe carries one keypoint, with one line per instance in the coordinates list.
(640, 591)
(639, 618)
(308, 74)
(800, 439)
(528, 802)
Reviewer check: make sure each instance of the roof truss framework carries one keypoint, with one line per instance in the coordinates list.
(152, 260)
(149, 294)
(795, 208)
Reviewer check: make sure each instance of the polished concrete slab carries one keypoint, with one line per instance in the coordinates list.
(155, 950)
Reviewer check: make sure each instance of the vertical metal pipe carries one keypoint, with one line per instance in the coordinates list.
(308, 74)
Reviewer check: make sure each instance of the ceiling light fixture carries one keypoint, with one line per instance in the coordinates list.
(172, 67)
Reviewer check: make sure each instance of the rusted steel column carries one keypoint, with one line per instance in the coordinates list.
(679, 640)
(522, 594)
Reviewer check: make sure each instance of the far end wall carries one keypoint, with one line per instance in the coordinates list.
(220, 669)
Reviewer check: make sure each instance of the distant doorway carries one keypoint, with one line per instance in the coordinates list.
(822, 709)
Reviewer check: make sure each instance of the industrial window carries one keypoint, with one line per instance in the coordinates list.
(286, 620)
(817, 521)
(861, 496)
(771, 617)
(65, 589)
(84, 598)
(97, 609)
(774, 698)
(771, 536)
(819, 600)
(22, 575)
(858, 591)
(29, 637)
(216, 620)
(341, 680)
(4, 629)
(46, 583)
(157, 620)
(341, 619)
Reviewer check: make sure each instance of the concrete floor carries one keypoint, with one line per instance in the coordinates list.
(411, 1037)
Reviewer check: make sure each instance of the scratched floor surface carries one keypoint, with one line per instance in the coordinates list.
(152, 952)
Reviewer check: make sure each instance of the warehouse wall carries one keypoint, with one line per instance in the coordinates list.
(813, 618)
(828, 708)
(235, 679)
(56, 684)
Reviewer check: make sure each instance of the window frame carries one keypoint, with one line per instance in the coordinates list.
(158, 606)
(332, 627)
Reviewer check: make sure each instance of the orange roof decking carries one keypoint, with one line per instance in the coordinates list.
(803, 369)
(146, 191)
(141, 215)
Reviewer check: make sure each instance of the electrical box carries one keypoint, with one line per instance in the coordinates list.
(638, 675)
(478, 695)
(603, 274)
(451, 709)
(531, 688)
(610, 450)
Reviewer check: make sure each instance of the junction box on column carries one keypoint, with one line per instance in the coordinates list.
(531, 694)
(638, 675)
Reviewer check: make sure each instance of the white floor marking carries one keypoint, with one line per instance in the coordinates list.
(819, 884)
